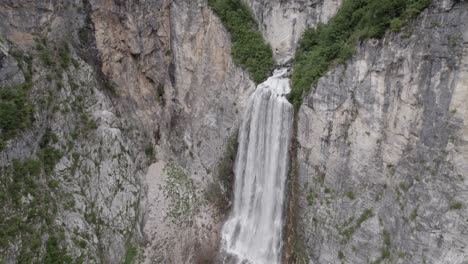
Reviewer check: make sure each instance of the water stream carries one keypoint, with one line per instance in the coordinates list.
(253, 232)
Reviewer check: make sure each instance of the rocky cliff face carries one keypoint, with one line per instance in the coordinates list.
(381, 165)
(104, 89)
(208, 95)
(382, 162)
(282, 22)
(114, 86)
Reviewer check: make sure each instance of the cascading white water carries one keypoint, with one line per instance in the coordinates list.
(253, 232)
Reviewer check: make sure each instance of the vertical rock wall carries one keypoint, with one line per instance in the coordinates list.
(382, 163)
(282, 22)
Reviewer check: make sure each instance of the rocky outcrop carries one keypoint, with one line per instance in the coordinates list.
(382, 162)
(283, 22)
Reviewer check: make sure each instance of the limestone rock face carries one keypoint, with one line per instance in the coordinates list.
(118, 85)
(134, 103)
(207, 96)
(382, 158)
(282, 22)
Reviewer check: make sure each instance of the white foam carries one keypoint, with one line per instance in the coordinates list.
(253, 232)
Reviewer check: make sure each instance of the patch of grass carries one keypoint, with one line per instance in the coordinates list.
(364, 216)
(132, 252)
(49, 155)
(334, 43)
(384, 253)
(386, 238)
(341, 255)
(47, 57)
(249, 49)
(350, 195)
(160, 94)
(180, 190)
(16, 110)
(299, 251)
(55, 253)
(396, 24)
(348, 232)
(29, 207)
(310, 199)
(64, 55)
(456, 206)
(149, 151)
(453, 41)
(414, 214)
(404, 186)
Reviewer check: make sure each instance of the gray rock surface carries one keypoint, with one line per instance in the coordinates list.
(150, 81)
(387, 133)
(282, 22)
(208, 93)
(153, 82)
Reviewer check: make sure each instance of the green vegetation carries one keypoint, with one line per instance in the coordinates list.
(386, 237)
(46, 57)
(29, 207)
(149, 151)
(331, 44)
(349, 231)
(385, 251)
(249, 50)
(55, 254)
(414, 214)
(364, 216)
(341, 255)
(29, 192)
(49, 157)
(404, 186)
(48, 154)
(350, 195)
(456, 206)
(130, 256)
(160, 94)
(310, 199)
(65, 57)
(453, 41)
(16, 111)
(396, 24)
(299, 252)
(181, 193)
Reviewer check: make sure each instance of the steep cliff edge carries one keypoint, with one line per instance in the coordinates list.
(381, 149)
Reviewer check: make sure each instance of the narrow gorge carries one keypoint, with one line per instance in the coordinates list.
(234, 131)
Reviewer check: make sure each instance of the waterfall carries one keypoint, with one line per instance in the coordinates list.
(253, 232)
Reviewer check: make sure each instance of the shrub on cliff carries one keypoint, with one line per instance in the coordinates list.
(249, 49)
(331, 44)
